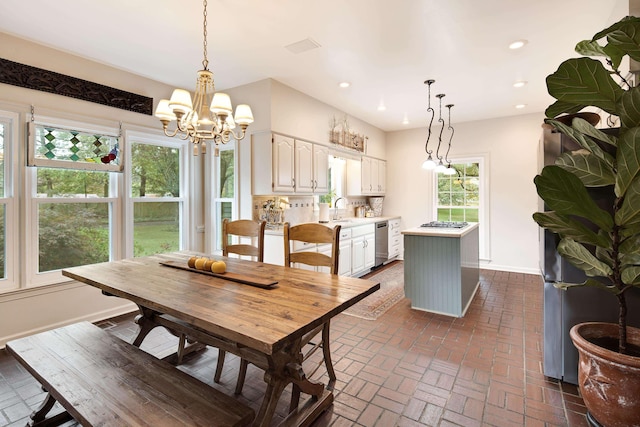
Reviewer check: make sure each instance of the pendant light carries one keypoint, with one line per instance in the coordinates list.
(441, 167)
(449, 170)
(429, 163)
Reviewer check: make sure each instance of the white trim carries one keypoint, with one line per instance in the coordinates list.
(10, 201)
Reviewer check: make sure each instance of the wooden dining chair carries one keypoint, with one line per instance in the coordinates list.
(241, 229)
(314, 234)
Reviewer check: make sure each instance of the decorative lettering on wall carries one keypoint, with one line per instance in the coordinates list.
(29, 77)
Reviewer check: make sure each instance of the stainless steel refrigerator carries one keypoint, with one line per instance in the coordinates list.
(564, 309)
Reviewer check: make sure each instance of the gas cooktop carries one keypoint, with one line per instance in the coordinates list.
(445, 224)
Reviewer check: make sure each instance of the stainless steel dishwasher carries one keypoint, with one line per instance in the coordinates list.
(382, 242)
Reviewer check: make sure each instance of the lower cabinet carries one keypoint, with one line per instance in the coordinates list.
(394, 238)
(344, 259)
(363, 248)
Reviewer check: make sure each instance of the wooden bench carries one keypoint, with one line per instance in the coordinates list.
(101, 380)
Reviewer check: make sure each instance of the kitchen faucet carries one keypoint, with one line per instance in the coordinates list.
(335, 204)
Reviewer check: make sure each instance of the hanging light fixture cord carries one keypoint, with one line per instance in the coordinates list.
(440, 120)
(446, 156)
(205, 61)
(433, 114)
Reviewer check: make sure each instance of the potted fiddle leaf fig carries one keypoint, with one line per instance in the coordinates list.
(603, 241)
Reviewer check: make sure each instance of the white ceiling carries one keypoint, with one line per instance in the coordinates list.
(385, 49)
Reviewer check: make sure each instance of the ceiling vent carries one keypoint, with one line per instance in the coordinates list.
(302, 46)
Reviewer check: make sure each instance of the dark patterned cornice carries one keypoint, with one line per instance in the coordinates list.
(30, 77)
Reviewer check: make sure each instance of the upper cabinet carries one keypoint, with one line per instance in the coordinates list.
(366, 177)
(281, 164)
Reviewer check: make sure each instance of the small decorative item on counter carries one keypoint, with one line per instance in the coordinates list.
(271, 213)
(368, 212)
(376, 205)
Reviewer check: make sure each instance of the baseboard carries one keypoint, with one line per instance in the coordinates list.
(509, 268)
(93, 317)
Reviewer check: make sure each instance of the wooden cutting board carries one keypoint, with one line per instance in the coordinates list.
(234, 277)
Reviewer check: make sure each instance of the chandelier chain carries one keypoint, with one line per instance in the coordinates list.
(205, 61)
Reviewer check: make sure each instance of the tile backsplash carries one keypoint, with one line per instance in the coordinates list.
(299, 209)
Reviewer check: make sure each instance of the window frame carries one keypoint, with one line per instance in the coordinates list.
(11, 281)
(211, 210)
(483, 202)
(158, 139)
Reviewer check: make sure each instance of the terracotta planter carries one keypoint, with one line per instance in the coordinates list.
(609, 381)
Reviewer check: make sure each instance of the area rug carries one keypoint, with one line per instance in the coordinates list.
(391, 291)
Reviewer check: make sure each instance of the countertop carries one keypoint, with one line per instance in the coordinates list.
(344, 222)
(440, 232)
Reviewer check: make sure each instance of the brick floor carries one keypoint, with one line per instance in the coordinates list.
(408, 368)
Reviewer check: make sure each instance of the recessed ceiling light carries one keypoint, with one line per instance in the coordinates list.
(344, 84)
(517, 44)
(519, 83)
(381, 106)
(521, 106)
(405, 121)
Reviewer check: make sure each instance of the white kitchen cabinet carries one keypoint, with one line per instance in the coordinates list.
(394, 238)
(282, 164)
(366, 177)
(344, 258)
(363, 248)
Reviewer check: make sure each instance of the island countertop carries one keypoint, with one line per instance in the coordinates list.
(440, 231)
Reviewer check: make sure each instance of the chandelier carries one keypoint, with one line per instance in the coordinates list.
(430, 163)
(209, 117)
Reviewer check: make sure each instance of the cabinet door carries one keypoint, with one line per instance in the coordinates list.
(283, 161)
(357, 254)
(369, 250)
(367, 186)
(344, 260)
(321, 169)
(304, 167)
(382, 176)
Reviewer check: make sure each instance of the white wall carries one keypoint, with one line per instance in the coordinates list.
(511, 144)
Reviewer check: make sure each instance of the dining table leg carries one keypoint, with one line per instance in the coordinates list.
(146, 324)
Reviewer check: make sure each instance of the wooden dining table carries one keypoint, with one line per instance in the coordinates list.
(261, 322)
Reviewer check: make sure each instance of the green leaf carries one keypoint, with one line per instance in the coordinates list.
(615, 54)
(615, 26)
(626, 37)
(590, 48)
(587, 129)
(563, 192)
(584, 141)
(602, 253)
(629, 212)
(592, 171)
(589, 282)
(580, 257)
(584, 81)
(559, 107)
(630, 259)
(629, 108)
(631, 276)
(631, 238)
(567, 227)
(628, 160)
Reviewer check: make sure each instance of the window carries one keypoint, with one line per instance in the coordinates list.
(8, 206)
(459, 195)
(156, 203)
(74, 213)
(225, 188)
(463, 197)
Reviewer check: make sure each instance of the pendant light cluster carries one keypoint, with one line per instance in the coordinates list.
(438, 164)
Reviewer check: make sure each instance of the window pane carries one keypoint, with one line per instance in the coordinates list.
(155, 171)
(226, 174)
(72, 183)
(72, 234)
(458, 195)
(223, 210)
(156, 228)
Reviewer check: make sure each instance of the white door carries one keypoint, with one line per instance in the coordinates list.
(344, 259)
(321, 169)
(366, 175)
(382, 176)
(369, 250)
(357, 254)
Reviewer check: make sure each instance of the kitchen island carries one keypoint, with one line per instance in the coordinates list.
(441, 268)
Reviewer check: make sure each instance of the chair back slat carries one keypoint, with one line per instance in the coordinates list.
(312, 233)
(244, 228)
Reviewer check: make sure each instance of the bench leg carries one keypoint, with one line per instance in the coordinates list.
(38, 417)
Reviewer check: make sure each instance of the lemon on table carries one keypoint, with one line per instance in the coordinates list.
(199, 264)
(207, 265)
(192, 262)
(219, 267)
